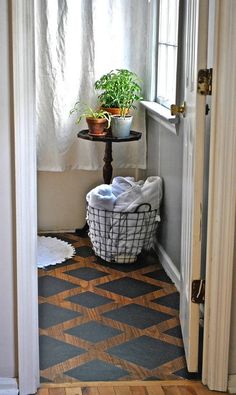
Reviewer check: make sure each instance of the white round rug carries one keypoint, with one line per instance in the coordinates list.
(52, 251)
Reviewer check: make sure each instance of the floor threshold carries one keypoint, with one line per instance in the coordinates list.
(170, 387)
(132, 383)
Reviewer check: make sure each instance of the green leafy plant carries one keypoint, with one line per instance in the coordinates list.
(85, 111)
(119, 88)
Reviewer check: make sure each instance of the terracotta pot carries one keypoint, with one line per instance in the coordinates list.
(114, 111)
(97, 126)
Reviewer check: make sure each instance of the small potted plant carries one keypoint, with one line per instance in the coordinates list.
(98, 120)
(120, 89)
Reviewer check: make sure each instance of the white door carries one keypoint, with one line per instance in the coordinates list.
(193, 126)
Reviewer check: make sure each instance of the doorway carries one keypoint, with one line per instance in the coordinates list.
(25, 181)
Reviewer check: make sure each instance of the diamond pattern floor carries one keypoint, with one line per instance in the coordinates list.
(106, 322)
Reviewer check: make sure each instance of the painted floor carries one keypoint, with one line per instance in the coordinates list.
(107, 322)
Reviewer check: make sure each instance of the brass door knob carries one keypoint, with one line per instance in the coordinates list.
(177, 110)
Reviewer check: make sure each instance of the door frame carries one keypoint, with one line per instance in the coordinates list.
(21, 21)
(221, 202)
(220, 243)
(194, 129)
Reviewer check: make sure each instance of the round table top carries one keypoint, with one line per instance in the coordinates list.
(84, 134)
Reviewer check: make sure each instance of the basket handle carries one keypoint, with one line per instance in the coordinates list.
(143, 204)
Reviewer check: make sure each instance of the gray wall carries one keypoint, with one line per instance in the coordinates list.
(7, 281)
(165, 159)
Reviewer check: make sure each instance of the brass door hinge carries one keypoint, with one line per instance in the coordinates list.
(198, 291)
(204, 82)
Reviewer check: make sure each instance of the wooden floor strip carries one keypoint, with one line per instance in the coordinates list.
(106, 391)
(74, 391)
(90, 391)
(122, 390)
(135, 390)
(128, 388)
(157, 390)
(57, 391)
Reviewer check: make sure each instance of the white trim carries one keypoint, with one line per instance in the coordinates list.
(151, 60)
(160, 112)
(192, 178)
(232, 384)
(8, 386)
(168, 265)
(25, 193)
(222, 198)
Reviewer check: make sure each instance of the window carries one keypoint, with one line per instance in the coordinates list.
(167, 51)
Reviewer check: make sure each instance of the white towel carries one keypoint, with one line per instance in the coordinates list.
(123, 235)
(101, 197)
(123, 184)
(152, 192)
(148, 192)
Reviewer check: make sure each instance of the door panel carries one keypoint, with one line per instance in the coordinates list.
(193, 126)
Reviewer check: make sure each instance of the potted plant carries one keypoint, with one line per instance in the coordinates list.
(98, 120)
(120, 89)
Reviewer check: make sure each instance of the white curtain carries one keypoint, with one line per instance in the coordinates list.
(77, 41)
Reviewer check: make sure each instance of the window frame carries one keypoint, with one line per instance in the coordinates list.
(158, 44)
(154, 108)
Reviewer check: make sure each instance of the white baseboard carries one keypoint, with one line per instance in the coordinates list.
(168, 265)
(232, 384)
(8, 386)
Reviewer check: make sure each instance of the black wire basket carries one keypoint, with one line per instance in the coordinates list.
(121, 236)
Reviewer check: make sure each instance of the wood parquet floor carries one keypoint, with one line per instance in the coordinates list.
(108, 322)
(131, 388)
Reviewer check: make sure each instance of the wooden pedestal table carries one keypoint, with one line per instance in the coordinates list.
(108, 139)
(107, 168)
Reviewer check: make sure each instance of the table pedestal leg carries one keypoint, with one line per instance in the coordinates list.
(107, 168)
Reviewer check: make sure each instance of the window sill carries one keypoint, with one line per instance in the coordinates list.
(162, 115)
